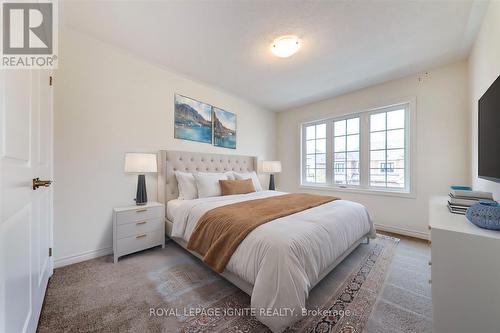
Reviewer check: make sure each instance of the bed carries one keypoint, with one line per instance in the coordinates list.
(279, 262)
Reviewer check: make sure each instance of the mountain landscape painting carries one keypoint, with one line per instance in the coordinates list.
(193, 120)
(224, 125)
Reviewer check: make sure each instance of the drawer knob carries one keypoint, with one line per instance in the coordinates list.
(140, 236)
(429, 263)
(430, 281)
(142, 222)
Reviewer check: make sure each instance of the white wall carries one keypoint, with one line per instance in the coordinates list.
(442, 158)
(484, 68)
(108, 103)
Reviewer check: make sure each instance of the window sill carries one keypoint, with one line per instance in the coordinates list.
(364, 191)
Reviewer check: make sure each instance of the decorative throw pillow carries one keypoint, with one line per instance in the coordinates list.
(252, 175)
(208, 184)
(229, 187)
(186, 185)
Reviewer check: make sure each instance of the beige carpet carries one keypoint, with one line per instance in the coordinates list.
(380, 285)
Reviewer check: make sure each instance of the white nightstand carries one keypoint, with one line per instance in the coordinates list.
(137, 228)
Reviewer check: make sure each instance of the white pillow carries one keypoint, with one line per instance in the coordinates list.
(230, 175)
(252, 175)
(186, 185)
(208, 184)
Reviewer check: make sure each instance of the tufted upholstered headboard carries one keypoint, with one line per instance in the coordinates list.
(170, 161)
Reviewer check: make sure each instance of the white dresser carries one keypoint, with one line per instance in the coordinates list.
(136, 228)
(465, 273)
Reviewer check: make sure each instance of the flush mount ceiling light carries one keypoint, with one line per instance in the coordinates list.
(285, 46)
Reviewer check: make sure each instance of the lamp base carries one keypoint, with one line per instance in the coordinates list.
(141, 197)
(271, 183)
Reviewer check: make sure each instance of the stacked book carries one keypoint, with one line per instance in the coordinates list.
(462, 197)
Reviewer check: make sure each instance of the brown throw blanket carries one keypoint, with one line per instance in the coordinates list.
(222, 229)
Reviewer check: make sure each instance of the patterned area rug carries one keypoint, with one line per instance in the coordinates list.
(155, 290)
(347, 310)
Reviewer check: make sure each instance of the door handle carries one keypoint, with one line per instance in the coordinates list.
(37, 183)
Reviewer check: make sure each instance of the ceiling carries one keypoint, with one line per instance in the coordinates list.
(346, 45)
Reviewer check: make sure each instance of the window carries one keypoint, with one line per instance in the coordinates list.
(316, 153)
(346, 151)
(387, 167)
(365, 151)
(339, 168)
(387, 148)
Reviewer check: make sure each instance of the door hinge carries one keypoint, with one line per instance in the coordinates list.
(50, 252)
(50, 80)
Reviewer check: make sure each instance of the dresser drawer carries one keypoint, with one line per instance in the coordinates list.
(138, 227)
(140, 214)
(140, 242)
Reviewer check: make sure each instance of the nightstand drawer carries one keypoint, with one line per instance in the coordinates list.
(140, 242)
(139, 214)
(138, 227)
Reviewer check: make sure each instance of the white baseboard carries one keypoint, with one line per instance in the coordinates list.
(403, 231)
(73, 259)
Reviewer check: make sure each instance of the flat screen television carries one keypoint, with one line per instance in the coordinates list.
(489, 133)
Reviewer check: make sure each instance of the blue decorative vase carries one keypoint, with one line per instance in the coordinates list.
(485, 214)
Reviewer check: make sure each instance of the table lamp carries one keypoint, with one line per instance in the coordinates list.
(271, 167)
(141, 164)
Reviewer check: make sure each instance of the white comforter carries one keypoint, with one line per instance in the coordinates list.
(284, 258)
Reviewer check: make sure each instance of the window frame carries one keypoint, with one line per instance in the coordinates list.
(332, 121)
(303, 152)
(364, 151)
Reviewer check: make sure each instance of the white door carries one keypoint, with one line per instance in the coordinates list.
(26, 214)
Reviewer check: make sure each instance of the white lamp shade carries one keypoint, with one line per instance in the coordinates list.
(140, 163)
(271, 166)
